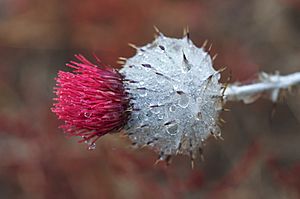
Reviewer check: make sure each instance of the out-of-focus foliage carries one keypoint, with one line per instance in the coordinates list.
(259, 157)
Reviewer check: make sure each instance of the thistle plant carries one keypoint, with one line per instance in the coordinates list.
(167, 96)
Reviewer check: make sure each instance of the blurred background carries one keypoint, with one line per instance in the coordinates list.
(260, 156)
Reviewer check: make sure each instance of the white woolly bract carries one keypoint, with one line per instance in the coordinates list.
(175, 96)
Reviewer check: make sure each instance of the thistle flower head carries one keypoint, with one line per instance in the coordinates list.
(171, 87)
(90, 100)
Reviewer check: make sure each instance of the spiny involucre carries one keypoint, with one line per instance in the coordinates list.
(176, 96)
(169, 88)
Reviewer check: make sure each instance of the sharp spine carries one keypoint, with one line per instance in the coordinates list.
(133, 46)
(209, 48)
(204, 44)
(157, 31)
(214, 57)
(122, 58)
(120, 62)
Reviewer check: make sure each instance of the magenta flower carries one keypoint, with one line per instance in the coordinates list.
(90, 100)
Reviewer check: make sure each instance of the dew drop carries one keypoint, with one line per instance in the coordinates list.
(160, 116)
(163, 157)
(155, 110)
(172, 129)
(175, 86)
(141, 83)
(92, 146)
(160, 80)
(184, 100)
(172, 108)
(87, 115)
(143, 93)
(133, 138)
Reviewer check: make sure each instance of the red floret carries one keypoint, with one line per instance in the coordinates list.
(90, 100)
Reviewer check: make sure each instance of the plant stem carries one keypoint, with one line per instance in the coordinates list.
(269, 84)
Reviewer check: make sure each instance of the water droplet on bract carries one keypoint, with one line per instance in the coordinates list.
(175, 86)
(162, 158)
(160, 116)
(141, 83)
(143, 93)
(184, 100)
(160, 80)
(87, 141)
(172, 108)
(195, 128)
(92, 146)
(155, 110)
(172, 129)
(87, 115)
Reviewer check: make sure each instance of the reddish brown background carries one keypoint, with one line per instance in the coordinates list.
(259, 157)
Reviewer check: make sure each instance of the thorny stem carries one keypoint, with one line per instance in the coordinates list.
(266, 84)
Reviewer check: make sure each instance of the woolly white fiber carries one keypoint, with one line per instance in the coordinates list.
(175, 94)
